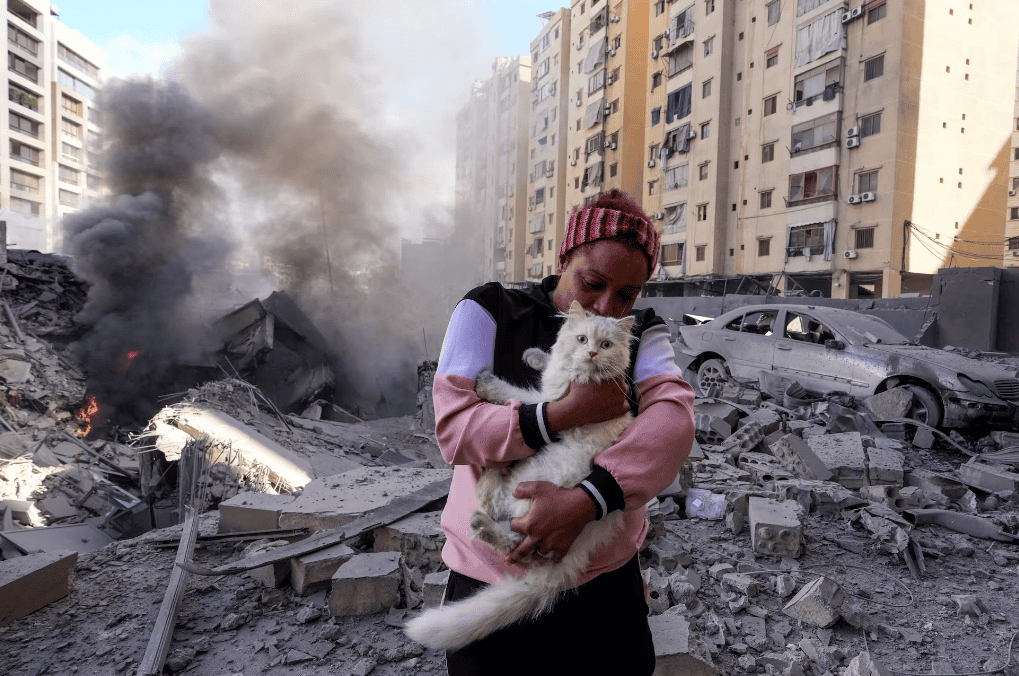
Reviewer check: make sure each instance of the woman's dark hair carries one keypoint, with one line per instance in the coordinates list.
(619, 201)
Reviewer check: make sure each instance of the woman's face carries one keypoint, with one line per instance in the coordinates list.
(604, 276)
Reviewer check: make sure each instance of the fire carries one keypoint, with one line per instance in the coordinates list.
(132, 354)
(86, 414)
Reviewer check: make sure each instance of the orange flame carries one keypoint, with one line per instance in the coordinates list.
(86, 414)
(132, 354)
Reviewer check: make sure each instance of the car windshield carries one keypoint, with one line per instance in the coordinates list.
(861, 329)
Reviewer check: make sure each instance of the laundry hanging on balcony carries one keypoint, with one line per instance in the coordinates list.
(592, 115)
(819, 37)
(596, 55)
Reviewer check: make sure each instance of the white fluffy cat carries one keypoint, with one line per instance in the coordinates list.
(588, 348)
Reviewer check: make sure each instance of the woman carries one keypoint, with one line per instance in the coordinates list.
(609, 251)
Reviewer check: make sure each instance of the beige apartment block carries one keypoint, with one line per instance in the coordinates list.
(549, 131)
(491, 185)
(844, 148)
(1011, 255)
(607, 99)
(53, 133)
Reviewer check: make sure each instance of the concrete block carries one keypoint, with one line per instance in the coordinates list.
(864, 665)
(796, 455)
(1000, 437)
(895, 431)
(667, 554)
(775, 527)
(251, 511)
(274, 574)
(924, 438)
(746, 584)
(754, 626)
(763, 467)
(718, 570)
(313, 571)
(657, 591)
(742, 440)
(435, 588)
(843, 455)
(711, 430)
(15, 371)
(768, 420)
(890, 404)
(675, 651)
(27, 583)
(818, 603)
(365, 584)
(418, 537)
(718, 409)
(987, 477)
(333, 501)
(884, 466)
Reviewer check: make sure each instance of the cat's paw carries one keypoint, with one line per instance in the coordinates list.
(488, 386)
(536, 358)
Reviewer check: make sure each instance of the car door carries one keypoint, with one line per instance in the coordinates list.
(800, 354)
(748, 343)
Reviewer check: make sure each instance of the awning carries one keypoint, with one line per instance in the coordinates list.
(592, 115)
(596, 55)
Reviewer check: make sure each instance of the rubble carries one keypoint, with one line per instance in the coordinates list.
(30, 582)
(365, 584)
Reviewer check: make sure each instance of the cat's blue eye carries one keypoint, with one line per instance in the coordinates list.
(581, 339)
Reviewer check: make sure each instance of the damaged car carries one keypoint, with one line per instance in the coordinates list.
(830, 349)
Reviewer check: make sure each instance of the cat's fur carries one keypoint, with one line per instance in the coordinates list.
(565, 463)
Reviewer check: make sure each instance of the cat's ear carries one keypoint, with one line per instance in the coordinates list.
(576, 310)
(626, 323)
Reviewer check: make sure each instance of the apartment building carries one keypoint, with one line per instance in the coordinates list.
(491, 199)
(826, 146)
(549, 132)
(1011, 254)
(607, 99)
(53, 132)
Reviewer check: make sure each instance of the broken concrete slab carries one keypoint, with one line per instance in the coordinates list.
(15, 372)
(746, 584)
(365, 584)
(865, 665)
(890, 404)
(884, 466)
(435, 588)
(315, 570)
(818, 603)
(274, 574)
(775, 527)
(676, 653)
(796, 455)
(78, 537)
(418, 537)
(924, 437)
(719, 410)
(842, 453)
(333, 501)
(28, 583)
(988, 477)
(251, 511)
(711, 430)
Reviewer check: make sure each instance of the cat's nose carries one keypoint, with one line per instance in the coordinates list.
(592, 353)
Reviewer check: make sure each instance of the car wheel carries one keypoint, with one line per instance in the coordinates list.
(711, 372)
(926, 408)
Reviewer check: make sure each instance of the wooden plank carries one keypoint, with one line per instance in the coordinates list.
(383, 516)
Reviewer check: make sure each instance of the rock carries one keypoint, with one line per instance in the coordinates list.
(784, 585)
(884, 466)
(307, 614)
(295, 656)
(743, 583)
(418, 537)
(180, 658)
(232, 621)
(864, 665)
(817, 603)
(924, 437)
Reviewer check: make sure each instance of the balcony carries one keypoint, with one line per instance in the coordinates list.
(23, 98)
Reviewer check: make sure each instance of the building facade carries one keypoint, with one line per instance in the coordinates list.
(53, 133)
(1011, 255)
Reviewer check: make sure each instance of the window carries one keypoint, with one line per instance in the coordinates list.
(699, 252)
(539, 196)
(656, 80)
(1015, 183)
(876, 11)
(24, 125)
(874, 68)
(819, 183)
(706, 89)
(770, 105)
(596, 82)
(677, 177)
(864, 238)
(26, 183)
(677, 105)
(594, 143)
(543, 68)
(815, 134)
(20, 38)
(709, 46)
(866, 182)
(659, 7)
(774, 12)
(656, 116)
(74, 84)
(71, 152)
(705, 130)
(702, 172)
(672, 254)
(766, 199)
(70, 105)
(870, 125)
(25, 153)
(821, 36)
(69, 199)
(69, 175)
(821, 82)
(702, 212)
(652, 187)
(1013, 213)
(26, 207)
(764, 247)
(613, 169)
(681, 59)
(22, 67)
(72, 129)
(709, 6)
(72, 59)
(801, 327)
(767, 152)
(806, 237)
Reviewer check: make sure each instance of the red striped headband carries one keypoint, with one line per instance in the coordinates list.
(588, 225)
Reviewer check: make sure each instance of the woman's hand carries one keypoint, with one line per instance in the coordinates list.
(557, 517)
(588, 404)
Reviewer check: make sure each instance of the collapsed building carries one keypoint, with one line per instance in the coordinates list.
(241, 528)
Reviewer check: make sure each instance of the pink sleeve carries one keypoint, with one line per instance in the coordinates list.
(648, 455)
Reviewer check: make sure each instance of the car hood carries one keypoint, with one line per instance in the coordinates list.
(949, 361)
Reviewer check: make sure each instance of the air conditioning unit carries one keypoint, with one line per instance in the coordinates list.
(1011, 193)
(654, 53)
(853, 131)
(849, 253)
(867, 197)
(857, 12)
(608, 144)
(1015, 252)
(608, 79)
(549, 173)
(853, 142)
(614, 19)
(659, 215)
(579, 103)
(854, 199)
(612, 51)
(613, 145)
(579, 46)
(608, 109)
(691, 134)
(797, 148)
(530, 207)
(650, 164)
(847, 16)
(573, 163)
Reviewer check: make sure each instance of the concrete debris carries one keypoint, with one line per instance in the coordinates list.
(677, 653)
(891, 404)
(315, 570)
(843, 455)
(775, 527)
(818, 603)
(29, 582)
(986, 477)
(365, 584)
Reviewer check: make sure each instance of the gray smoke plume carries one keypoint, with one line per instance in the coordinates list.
(267, 140)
